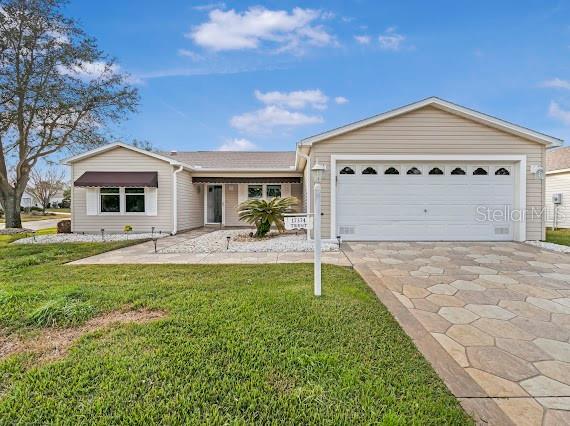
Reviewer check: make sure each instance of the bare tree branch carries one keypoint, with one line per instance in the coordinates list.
(58, 92)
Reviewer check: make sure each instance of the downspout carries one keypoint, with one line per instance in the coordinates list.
(175, 200)
(307, 186)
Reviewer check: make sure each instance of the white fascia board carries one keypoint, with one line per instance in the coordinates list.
(209, 170)
(549, 141)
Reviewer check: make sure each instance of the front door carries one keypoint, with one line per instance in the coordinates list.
(214, 204)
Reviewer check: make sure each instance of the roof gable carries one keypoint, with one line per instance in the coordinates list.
(445, 106)
(114, 145)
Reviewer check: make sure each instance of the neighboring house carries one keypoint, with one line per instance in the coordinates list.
(29, 201)
(431, 170)
(558, 182)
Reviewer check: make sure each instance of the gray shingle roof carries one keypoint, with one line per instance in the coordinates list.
(557, 159)
(229, 160)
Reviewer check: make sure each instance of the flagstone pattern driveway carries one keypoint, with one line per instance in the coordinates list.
(492, 318)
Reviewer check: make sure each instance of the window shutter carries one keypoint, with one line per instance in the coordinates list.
(151, 202)
(285, 190)
(92, 201)
(242, 192)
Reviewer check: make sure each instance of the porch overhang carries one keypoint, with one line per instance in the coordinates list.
(123, 179)
(252, 179)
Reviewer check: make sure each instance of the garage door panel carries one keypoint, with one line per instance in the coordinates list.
(423, 207)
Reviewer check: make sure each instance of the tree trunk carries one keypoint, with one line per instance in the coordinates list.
(11, 204)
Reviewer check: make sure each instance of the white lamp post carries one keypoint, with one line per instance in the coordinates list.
(318, 170)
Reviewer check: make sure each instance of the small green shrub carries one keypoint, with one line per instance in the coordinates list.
(62, 312)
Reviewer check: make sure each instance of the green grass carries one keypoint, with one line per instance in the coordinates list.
(560, 236)
(240, 344)
(65, 210)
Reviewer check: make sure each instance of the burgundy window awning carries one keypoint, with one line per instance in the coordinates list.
(126, 179)
(229, 179)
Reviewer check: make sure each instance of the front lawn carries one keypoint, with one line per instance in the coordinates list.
(239, 344)
(560, 236)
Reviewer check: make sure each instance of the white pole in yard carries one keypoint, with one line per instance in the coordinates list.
(318, 170)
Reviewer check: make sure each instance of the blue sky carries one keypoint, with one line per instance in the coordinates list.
(262, 75)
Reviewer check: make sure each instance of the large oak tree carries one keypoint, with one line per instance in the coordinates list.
(58, 92)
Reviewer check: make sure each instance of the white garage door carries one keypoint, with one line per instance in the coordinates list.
(425, 201)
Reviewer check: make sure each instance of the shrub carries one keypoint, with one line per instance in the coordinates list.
(265, 213)
(64, 227)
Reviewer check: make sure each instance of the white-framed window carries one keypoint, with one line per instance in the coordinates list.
(480, 171)
(255, 191)
(134, 200)
(264, 191)
(110, 200)
(503, 171)
(273, 191)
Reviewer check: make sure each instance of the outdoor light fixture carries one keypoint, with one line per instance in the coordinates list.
(155, 240)
(538, 171)
(338, 238)
(102, 234)
(152, 231)
(317, 171)
(228, 242)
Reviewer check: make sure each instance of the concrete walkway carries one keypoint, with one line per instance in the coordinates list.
(37, 225)
(144, 254)
(492, 318)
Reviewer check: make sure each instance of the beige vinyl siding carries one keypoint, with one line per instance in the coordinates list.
(432, 131)
(558, 183)
(190, 202)
(122, 160)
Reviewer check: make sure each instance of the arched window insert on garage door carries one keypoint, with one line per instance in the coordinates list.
(369, 171)
(501, 171)
(347, 171)
(480, 171)
(391, 171)
(458, 171)
(436, 171)
(414, 171)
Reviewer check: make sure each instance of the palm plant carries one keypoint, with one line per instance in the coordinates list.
(264, 213)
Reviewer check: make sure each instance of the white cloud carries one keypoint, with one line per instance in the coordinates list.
(87, 71)
(209, 6)
(297, 99)
(237, 145)
(340, 100)
(363, 39)
(556, 83)
(556, 111)
(391, 40)
(231, 30)
(190, 54)
(263, 120)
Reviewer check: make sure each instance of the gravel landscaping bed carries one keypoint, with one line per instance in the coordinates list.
(85, 238)
(550, 246)
(217, 242)
(14, 231)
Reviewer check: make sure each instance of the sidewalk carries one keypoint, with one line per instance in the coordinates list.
(144, 254)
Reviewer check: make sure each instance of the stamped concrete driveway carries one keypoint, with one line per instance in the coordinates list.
(492, 318)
